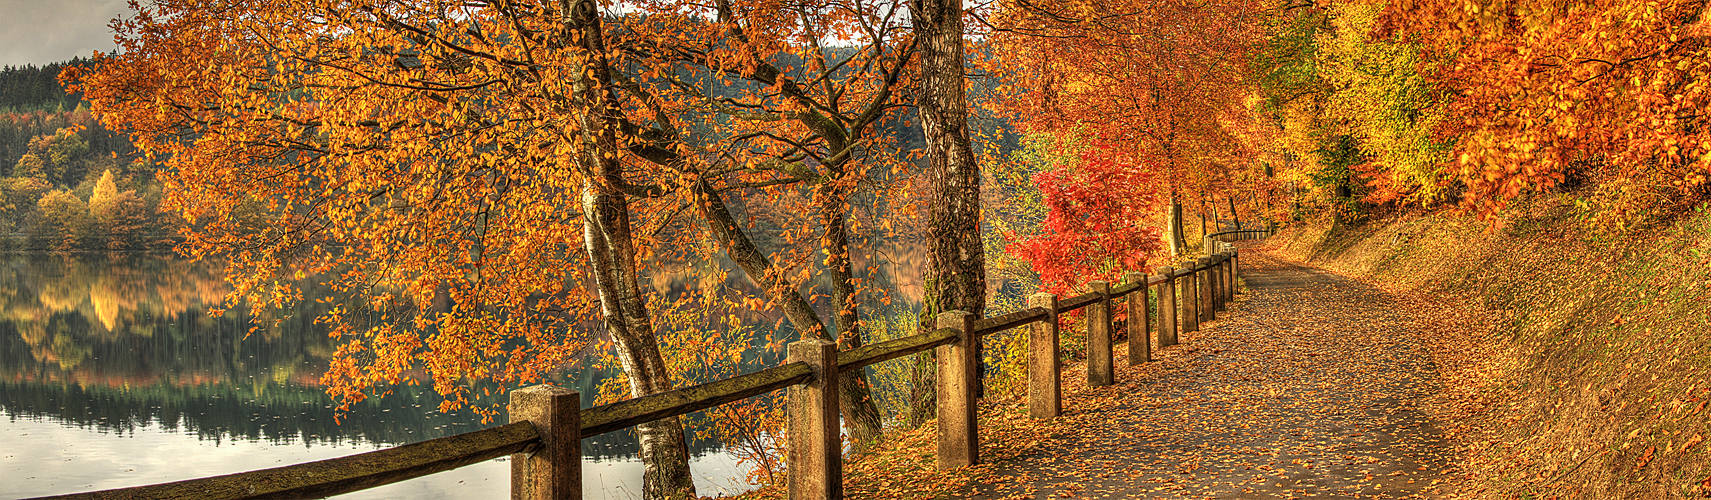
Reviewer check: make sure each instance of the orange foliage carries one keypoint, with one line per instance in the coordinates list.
(1606, 91)
(425, 157)
(1152, 86)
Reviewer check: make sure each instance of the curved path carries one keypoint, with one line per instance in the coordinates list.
(1311, 385)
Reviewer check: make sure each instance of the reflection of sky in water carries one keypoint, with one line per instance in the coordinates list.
(40, 457)
(112, 374)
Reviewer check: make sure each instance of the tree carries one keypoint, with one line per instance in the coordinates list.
(65, 152)
(1481, 102)
(102, 198)
(441, 138)
(610, 242)
(811, 119)
(955, 275)
(1088, 235)
(1152, 87)
(122, 214)
(66, 215)
(29, 165)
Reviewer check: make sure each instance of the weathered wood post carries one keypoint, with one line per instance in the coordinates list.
(959, 439)
(1045, 393)
(1190, 299)
(1205, 282)
(815, 456)
(1140, 343)
(1167, 307)
(1214, 266)
(1235, 272)
(554, 470)
(1099, 369)
(1214, 285)
(1223, 277)
(1229, 278)
(1217, 276)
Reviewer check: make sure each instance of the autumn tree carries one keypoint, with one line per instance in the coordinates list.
(1613, 102)
(1479, 102)
(65, 218)
(1087, 234)
(30, 165)
(442, 137)
(955, 276)
(1152, 88)
(801, 130)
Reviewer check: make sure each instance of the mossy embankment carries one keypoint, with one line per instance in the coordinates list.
(1580, 361)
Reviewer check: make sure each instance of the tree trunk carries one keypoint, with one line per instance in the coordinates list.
(755, 264)
(606, 234)
(1173, 226)
(1202, 210)
(1231, 196)
(955, 275)
(607, 237)
(860, 414)
(858, 409)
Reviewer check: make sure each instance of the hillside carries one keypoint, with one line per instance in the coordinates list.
(1586, 368)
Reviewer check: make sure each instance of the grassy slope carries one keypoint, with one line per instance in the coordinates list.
(1590, 374)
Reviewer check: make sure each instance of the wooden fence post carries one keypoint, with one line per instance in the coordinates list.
(1140, 343)
(1215, 274)
(1207, 288)
(815, 456)
(554, 470)
(1167, 323)
(959, 439)
(1223, 277)
(1190, 299)
(1099, 369)
(1045, 393)
(1235, 272)
(1214, 266)
(1214, 287)
(1229, 278)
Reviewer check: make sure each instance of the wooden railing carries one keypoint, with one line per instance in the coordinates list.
(547, 424)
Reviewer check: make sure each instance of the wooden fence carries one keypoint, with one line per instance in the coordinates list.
(547, 424)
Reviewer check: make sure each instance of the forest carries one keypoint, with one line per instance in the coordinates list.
(68, 183)
(491, 189)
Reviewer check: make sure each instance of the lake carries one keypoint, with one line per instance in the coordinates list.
(112, 373)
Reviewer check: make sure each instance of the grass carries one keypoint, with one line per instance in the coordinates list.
(1590, 367)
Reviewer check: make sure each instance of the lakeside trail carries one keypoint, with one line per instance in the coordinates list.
(1312, 384)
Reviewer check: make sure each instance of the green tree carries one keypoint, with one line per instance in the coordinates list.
(66, 216)
(29, 165)
(67, 152)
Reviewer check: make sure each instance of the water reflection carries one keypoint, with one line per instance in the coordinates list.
(111, 358)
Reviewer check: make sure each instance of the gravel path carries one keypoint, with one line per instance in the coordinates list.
(1310, 385)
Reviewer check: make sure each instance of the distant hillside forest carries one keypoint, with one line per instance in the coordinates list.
(67, 183)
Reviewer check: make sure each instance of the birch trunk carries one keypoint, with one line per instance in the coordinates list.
(609, 241)
(955, 275)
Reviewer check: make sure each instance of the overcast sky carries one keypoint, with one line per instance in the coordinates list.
(44, 31)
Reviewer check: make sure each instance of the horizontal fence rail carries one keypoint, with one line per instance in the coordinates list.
(346, 474)
(547, 423)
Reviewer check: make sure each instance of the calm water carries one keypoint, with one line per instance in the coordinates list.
(113, 374)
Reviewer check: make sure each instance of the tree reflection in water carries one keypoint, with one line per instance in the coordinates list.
(114, 344)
